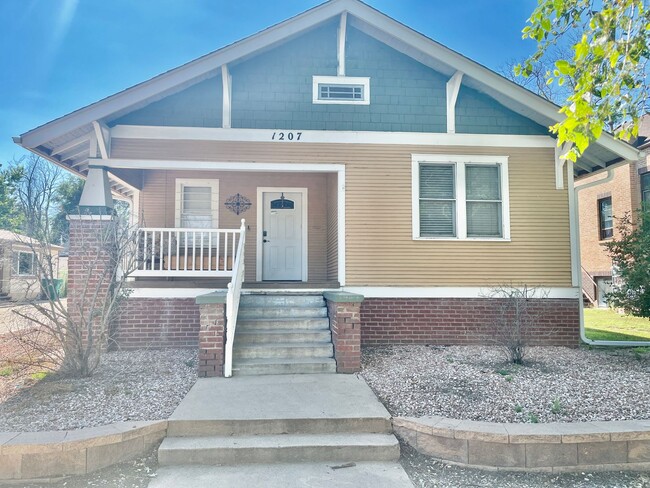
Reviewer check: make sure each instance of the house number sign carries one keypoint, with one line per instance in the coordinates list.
(286, 136)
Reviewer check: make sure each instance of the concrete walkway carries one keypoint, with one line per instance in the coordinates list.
(280, 430)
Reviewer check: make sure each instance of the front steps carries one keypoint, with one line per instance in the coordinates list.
(282, 334)
(283, 448)
(280, 431)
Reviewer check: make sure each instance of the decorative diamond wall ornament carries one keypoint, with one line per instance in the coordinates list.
(238, 203)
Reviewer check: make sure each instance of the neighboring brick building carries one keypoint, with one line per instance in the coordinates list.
(600, 207)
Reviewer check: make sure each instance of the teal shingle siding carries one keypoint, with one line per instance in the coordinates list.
(196, 106)
(477, 113)
(273, 90)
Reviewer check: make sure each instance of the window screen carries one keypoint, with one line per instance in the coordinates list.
(605, 219)
(437, 200)
(196, 210)
(645, 190)
(483, 192)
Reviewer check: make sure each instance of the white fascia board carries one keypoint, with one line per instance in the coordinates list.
(329, 136)
(450, 291)
(158, 164)
(183, 74)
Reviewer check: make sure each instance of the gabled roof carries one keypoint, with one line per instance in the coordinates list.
(7, 235)
(65, 141)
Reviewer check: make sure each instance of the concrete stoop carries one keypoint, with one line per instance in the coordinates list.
(280, 431)
(282, 334)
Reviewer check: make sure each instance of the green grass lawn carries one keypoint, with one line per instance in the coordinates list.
(603, 324)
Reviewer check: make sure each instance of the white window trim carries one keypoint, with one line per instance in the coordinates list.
(341, 80)
(461, 214)
(212, 183)
(15, 265)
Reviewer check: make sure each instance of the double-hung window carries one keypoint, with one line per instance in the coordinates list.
(645, 190)
(605, 218)
(460, 197)
(197, 203)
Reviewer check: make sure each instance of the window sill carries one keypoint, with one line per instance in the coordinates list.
(467, 239)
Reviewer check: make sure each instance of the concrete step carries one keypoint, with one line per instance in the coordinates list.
(283, 366)
(296, 475)
(282, 312)
(272, 300)
(284, 350)
(289, 448)
(367, 424)
(321, 323)
(281, 335)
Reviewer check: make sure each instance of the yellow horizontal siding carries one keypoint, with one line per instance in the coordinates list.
(379, 247)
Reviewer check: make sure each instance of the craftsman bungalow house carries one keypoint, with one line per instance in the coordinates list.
(338, 153)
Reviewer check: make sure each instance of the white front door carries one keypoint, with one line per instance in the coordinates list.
(282, 236)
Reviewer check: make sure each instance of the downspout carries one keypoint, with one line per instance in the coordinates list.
(574, 225)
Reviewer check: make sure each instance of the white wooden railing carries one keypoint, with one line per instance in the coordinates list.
(186, 252)
(232, 299)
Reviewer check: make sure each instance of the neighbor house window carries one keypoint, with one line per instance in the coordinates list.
(341, 90)
(605, 219)
(24, 263)
(645, 190)
(460, 197)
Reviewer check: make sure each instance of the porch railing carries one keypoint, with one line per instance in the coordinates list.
(232, 299)
(186, 252)
(589, 287)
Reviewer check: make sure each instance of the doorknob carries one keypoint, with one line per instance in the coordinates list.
(265, 240)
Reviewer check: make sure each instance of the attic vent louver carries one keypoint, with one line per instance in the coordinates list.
(341, 90)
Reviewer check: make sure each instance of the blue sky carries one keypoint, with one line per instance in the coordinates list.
(59, 55)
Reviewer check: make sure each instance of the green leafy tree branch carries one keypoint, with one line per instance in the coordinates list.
(607, 67)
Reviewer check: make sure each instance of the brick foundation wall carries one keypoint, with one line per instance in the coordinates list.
(449, 321)
(157, 322)
(345, 324)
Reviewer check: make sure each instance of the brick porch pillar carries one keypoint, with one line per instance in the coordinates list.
(91, 268)
(212, 334)
(344, 311)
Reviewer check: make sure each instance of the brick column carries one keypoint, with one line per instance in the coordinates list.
(344, 311)
(91, 266)
(212, 334)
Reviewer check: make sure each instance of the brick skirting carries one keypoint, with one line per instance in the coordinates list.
(448, 321)
(157, 322)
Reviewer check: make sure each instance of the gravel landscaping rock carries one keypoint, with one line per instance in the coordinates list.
(128, 385)
(473, 383)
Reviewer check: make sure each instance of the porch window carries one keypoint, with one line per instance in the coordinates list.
(460, 197)
(24, 263)
(197, 203)
(605, 219)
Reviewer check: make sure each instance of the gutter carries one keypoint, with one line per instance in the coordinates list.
(574, 225)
